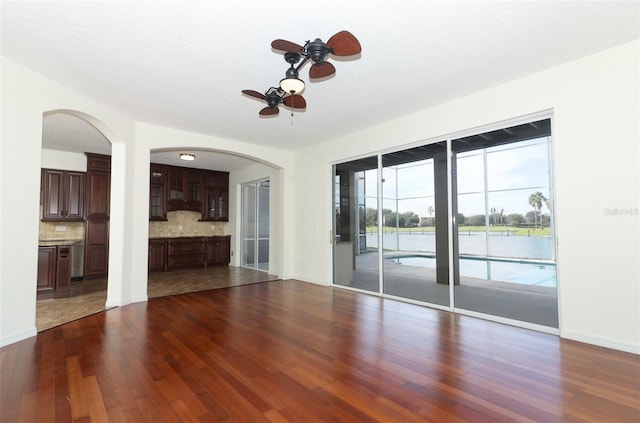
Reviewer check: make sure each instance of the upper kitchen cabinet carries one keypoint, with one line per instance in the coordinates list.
(173, 188)
(63, 194)
(98, 185)
(185, 189)
(158, 193)
(216, 207)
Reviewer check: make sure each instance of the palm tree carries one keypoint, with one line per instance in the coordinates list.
(536, 200)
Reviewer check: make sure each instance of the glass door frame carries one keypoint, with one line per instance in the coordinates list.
(256, 236)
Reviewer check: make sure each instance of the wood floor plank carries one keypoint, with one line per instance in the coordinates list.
(29, 408)
(291, 351)
(79, 404)
(97, 410)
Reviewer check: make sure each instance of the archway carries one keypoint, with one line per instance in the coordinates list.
(67, 136)
(167, 225)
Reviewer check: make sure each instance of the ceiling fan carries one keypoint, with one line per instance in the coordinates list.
(288, 92)
(342, 43)
(273, 97)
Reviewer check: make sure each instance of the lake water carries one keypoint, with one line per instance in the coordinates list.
(474, 244)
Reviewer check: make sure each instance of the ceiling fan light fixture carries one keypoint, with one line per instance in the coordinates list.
(187, 156)
(292, 85)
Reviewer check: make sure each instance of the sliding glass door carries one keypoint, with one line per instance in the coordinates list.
(255, 225)
(465, 224)
(414, 224)
(356, 239)
(505, 236)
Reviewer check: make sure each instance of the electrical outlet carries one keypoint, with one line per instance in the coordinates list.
(179, 227)
(61, 228)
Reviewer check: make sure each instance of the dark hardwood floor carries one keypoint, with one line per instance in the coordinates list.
(292, 351)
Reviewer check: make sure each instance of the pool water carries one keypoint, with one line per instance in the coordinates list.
(514, 272)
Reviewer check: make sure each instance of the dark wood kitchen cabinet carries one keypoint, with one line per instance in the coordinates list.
(63, 194)
(218, 250)
(188, 252)
(173, 188)
(185, 189)
(216, 205)
(185, 252)
(157, 255)
(98, 191)
(46, 284)
(96, 248)
(158, 193)
(54, 272)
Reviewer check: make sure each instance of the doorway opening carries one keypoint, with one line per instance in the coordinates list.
(255, 225)
(74, 233)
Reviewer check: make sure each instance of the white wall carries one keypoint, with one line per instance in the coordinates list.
(25, 97)
(596, 137)
(53, 159)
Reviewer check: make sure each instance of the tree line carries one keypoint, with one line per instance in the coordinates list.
(496, 216)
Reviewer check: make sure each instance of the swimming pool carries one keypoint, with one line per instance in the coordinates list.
(524, 272)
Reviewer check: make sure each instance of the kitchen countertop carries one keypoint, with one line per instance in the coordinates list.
(54, 242)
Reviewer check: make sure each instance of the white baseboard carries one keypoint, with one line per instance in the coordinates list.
(316, 282)
(601, 342)
(119, 302)
(18, 337)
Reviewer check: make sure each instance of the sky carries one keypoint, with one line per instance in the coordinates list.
(514, 171)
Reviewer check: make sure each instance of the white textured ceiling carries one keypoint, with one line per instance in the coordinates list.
(183, 64)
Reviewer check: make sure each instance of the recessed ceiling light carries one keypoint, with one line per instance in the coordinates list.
(187, 156)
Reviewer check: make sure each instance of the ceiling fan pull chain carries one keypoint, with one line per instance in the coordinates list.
(293, 105)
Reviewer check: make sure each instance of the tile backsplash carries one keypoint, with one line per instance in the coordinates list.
(185, 223)
(179, 223)
(51, 231)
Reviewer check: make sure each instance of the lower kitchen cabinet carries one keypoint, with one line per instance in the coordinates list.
(157, 255)
(188, 252)
(46, 285)
(185, 252)
(218, 250)
(54, 272)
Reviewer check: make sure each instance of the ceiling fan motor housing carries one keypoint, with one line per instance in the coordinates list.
(273, 97)
(318, 50)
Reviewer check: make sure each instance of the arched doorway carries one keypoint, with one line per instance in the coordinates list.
(72, 141)
(200, 226)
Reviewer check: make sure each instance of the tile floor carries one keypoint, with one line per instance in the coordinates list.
(89, 296)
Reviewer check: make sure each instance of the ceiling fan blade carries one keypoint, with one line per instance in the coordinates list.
(269, 111)
(295, 101)
(321, 70)
(255, 94)
(344, 43)
(287, 46)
